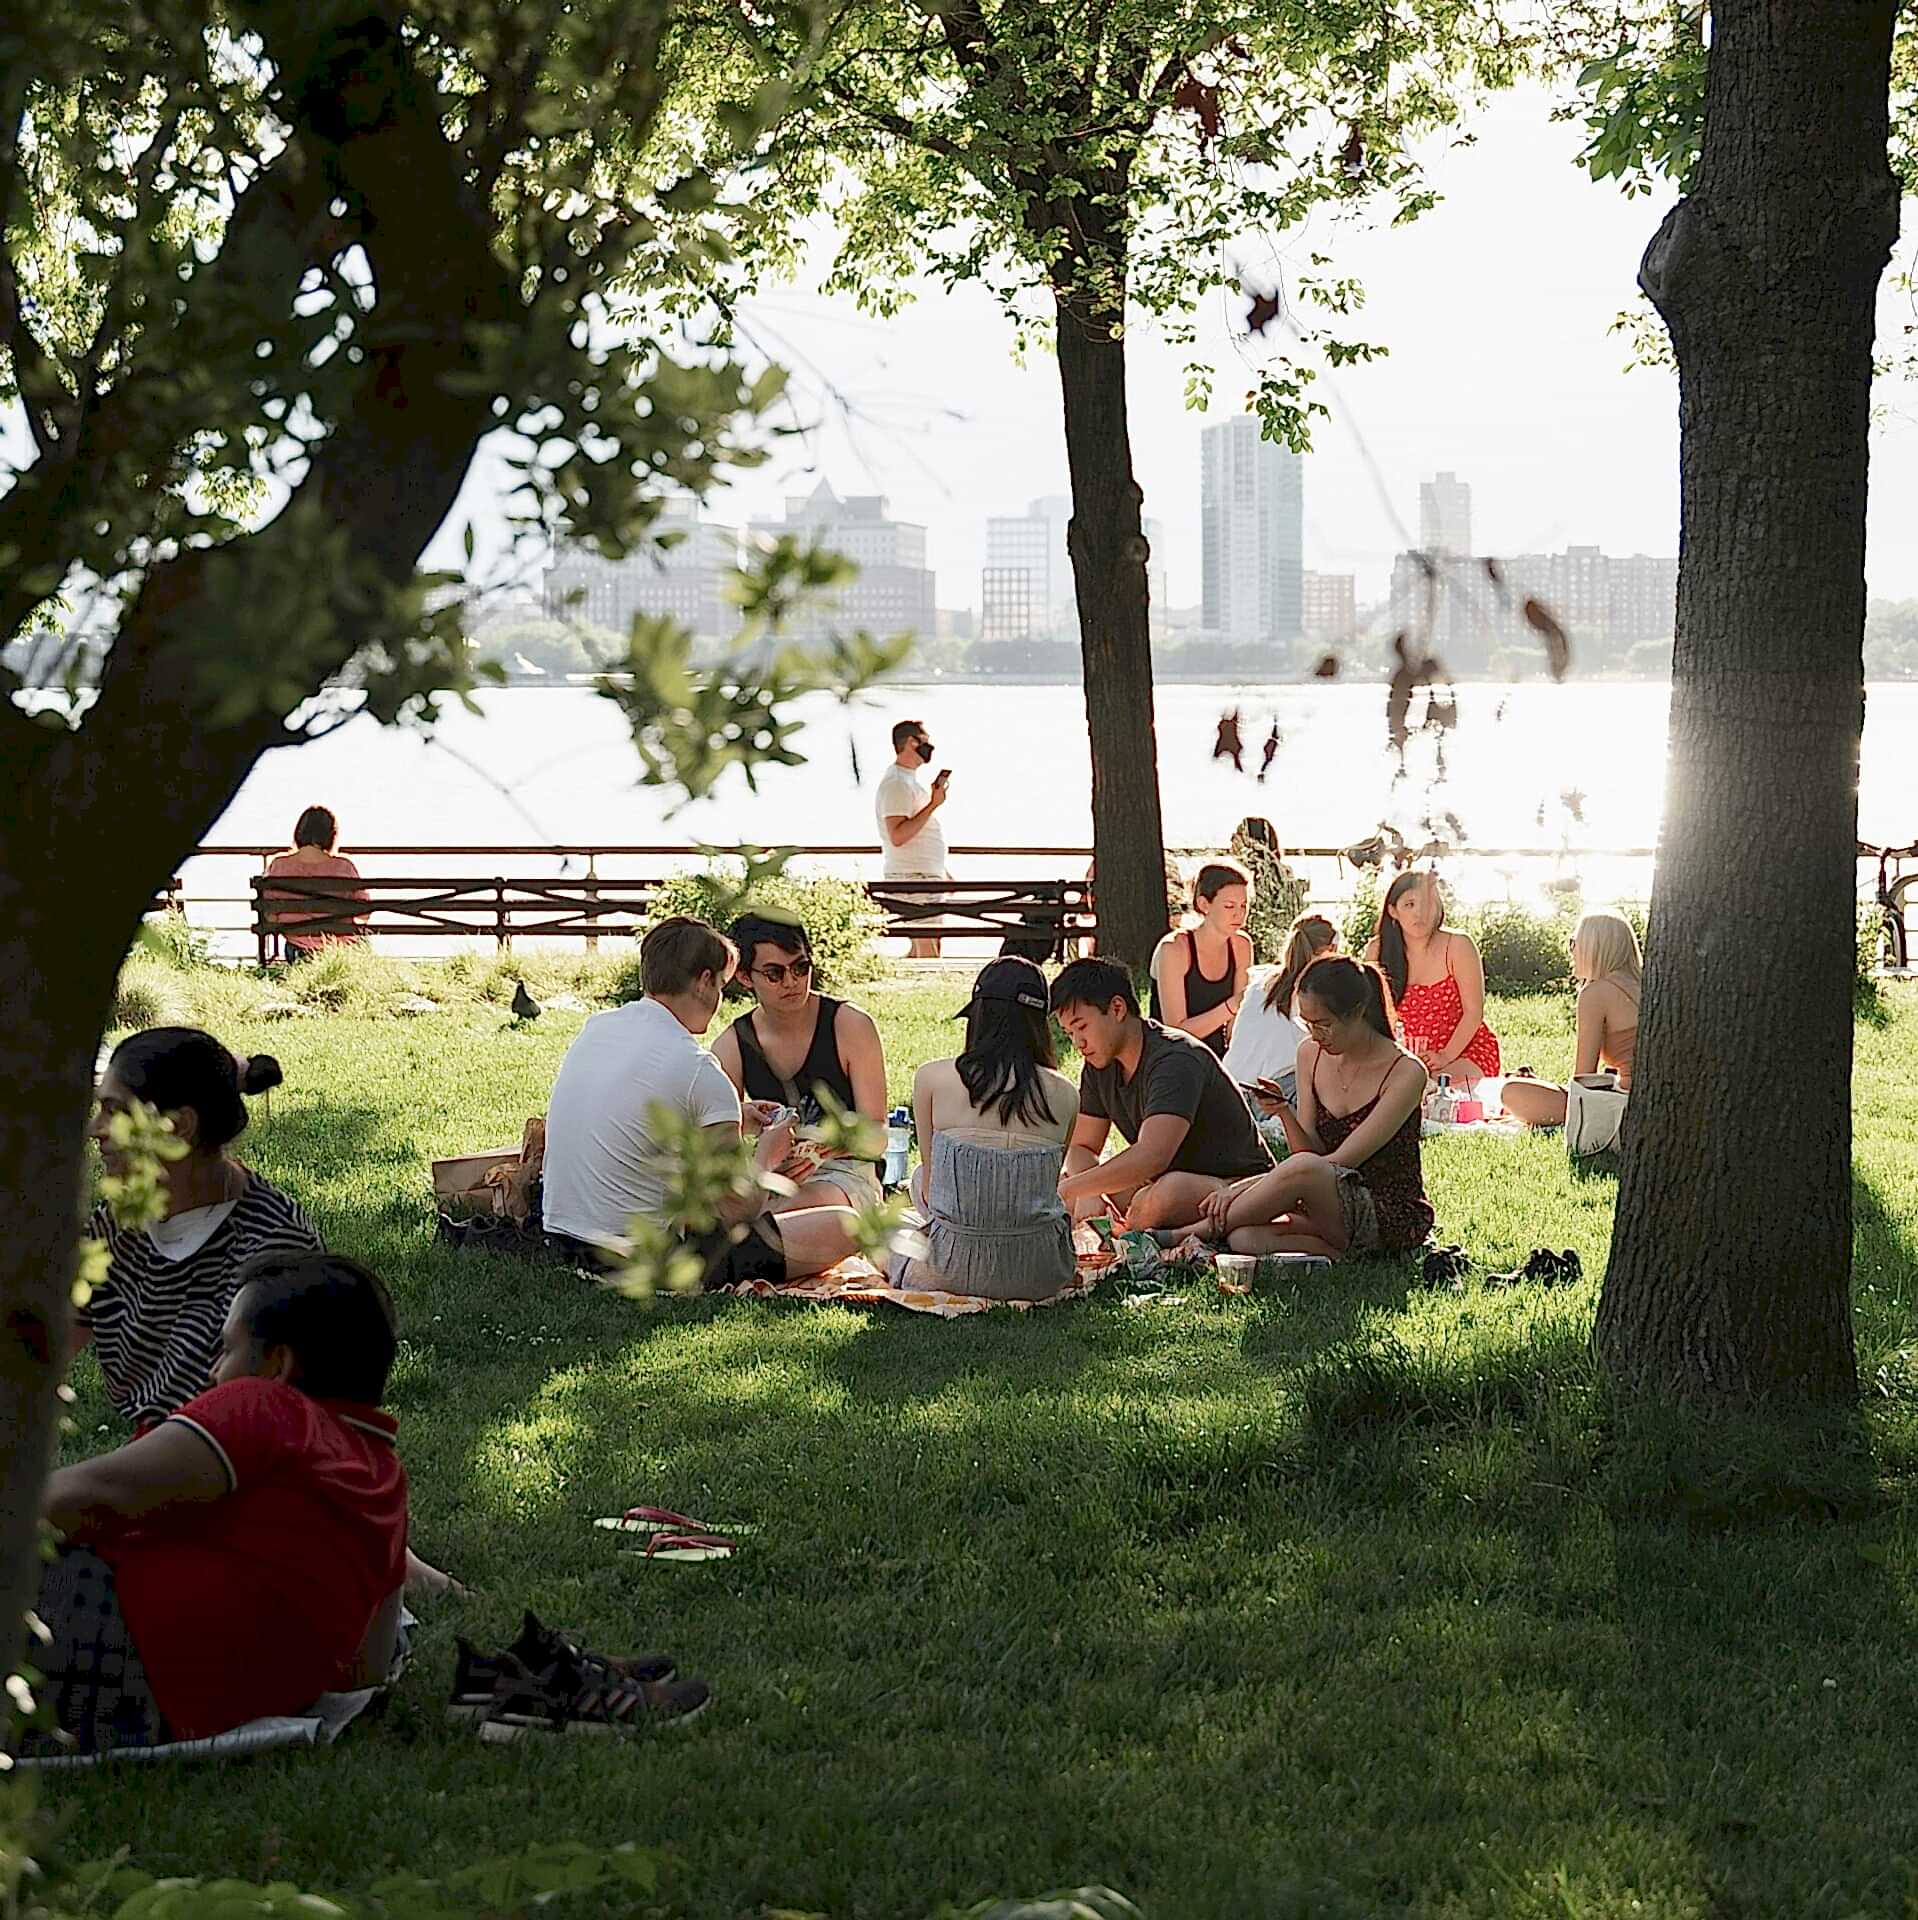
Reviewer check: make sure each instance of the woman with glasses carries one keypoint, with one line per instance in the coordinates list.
(796, 1041)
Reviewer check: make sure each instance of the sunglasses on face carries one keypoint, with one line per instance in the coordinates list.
(777, 974)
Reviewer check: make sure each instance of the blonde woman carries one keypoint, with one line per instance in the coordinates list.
(1608, 966)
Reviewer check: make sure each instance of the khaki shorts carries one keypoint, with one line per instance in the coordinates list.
(1359, 1212)
(855, 1179)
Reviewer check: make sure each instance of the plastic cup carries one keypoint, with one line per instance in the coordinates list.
(1469, 1111)
(1242, 1267)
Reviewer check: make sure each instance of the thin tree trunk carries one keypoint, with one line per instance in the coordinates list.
(1730, 1272)
(1108, 548)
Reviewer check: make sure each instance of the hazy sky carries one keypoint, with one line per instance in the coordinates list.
(1495, 307)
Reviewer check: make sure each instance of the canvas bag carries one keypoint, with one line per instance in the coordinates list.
(1594, 1114)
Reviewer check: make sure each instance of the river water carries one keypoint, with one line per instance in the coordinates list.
(538, 765)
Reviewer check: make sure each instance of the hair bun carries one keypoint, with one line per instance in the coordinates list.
(260, 1073)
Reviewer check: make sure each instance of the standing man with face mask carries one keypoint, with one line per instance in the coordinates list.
(907, 807)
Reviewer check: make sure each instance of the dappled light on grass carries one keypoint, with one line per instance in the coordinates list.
(1334, 1600)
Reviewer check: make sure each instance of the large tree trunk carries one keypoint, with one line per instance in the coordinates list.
(56, 972)
(92, 822)
(1730, 1272)
(1108, 547)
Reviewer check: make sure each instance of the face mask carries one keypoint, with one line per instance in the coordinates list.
(925, 754)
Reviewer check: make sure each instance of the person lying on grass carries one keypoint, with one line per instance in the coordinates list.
(247, 1554)
(1187, 1129)
(1354, 1182)
(605, 1164)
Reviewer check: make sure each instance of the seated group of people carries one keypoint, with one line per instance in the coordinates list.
(247, 1548)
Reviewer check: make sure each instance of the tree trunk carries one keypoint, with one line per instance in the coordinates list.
(57, 967)
(1730, 1272)
(1108, 548)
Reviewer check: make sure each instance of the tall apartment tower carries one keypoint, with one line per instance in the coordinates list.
(1445, 515)
(1252, 525)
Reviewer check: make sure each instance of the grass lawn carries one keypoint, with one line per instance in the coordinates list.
(1315, 1603)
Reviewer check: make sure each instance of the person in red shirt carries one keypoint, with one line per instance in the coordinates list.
(245, 1555)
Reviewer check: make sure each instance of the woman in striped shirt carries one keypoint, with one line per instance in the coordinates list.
(155, 1322)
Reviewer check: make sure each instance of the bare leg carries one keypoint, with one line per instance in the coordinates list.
(1539, 1103)
(925, 949)
(815, 1194)
(1464, 1075)
(1305, 1185)
(816, 1239)
(1171, 1202)
(1291, 1233)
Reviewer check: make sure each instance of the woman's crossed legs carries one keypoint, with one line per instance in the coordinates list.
(1295, 1208)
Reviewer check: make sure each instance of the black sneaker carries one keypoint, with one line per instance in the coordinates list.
(1445, 1267)
(571, 1698)
(538, 1650)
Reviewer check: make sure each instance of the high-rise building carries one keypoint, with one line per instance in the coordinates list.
(1331, 606)
(1252, 526)
(1016, 591)
(687, 580)
(1608, 606)
(1445, 515)
(1644, 598)
(893, 590)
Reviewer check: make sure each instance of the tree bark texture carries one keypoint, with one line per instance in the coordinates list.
(1108, 548)
(1730, 1274)
(93, 822)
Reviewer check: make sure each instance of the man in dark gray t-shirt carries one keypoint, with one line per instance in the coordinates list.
(1187, 1128)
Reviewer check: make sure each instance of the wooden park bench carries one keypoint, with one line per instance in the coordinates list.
(1047, 917)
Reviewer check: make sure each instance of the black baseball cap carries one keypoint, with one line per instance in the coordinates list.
(1011, 978)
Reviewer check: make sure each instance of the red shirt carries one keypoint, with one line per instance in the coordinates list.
(258, 1603)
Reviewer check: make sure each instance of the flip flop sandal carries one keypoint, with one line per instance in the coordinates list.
(662, 1520)
(687, 1546)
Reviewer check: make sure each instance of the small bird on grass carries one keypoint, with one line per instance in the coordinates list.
(525, 1007)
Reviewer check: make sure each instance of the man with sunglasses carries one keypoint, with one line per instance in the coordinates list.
(907, 808)
(796, 1043)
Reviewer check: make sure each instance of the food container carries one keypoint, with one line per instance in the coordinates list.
(1291, 1266)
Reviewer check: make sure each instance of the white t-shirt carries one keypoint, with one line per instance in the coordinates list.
(1265, 1040)
(904, 791)
(602, 1157)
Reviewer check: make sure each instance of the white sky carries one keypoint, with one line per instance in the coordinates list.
(1495, 306)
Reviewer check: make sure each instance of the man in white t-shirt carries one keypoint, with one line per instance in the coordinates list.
(907, 808)
(604, 1163)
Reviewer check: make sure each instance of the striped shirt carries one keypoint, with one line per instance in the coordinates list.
(156, 1322)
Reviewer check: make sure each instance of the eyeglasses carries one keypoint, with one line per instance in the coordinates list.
(776, 974)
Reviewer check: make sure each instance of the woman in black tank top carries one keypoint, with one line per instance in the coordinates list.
(1204, 1004)
(843, 1058)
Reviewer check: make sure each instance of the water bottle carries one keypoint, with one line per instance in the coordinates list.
(898, 1145)
(1447, 1106)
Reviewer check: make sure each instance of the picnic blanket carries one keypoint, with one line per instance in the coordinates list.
(319, 1726)
(856, 1282)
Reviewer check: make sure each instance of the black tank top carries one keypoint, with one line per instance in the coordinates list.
(820, 1068)
(1201, 993)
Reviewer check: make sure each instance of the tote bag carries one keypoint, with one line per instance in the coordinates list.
(1594, 1114)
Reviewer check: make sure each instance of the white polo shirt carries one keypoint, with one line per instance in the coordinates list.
(603, 1161)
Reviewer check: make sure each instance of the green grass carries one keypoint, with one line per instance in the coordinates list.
(1324, 1602)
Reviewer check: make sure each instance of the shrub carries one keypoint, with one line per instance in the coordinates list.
(1362, 916)
(1278, 898)
(146, 995)
(840, 919)
(1523, 952)
(174, 940)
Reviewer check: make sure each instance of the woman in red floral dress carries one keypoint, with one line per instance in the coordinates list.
(1437, 982)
